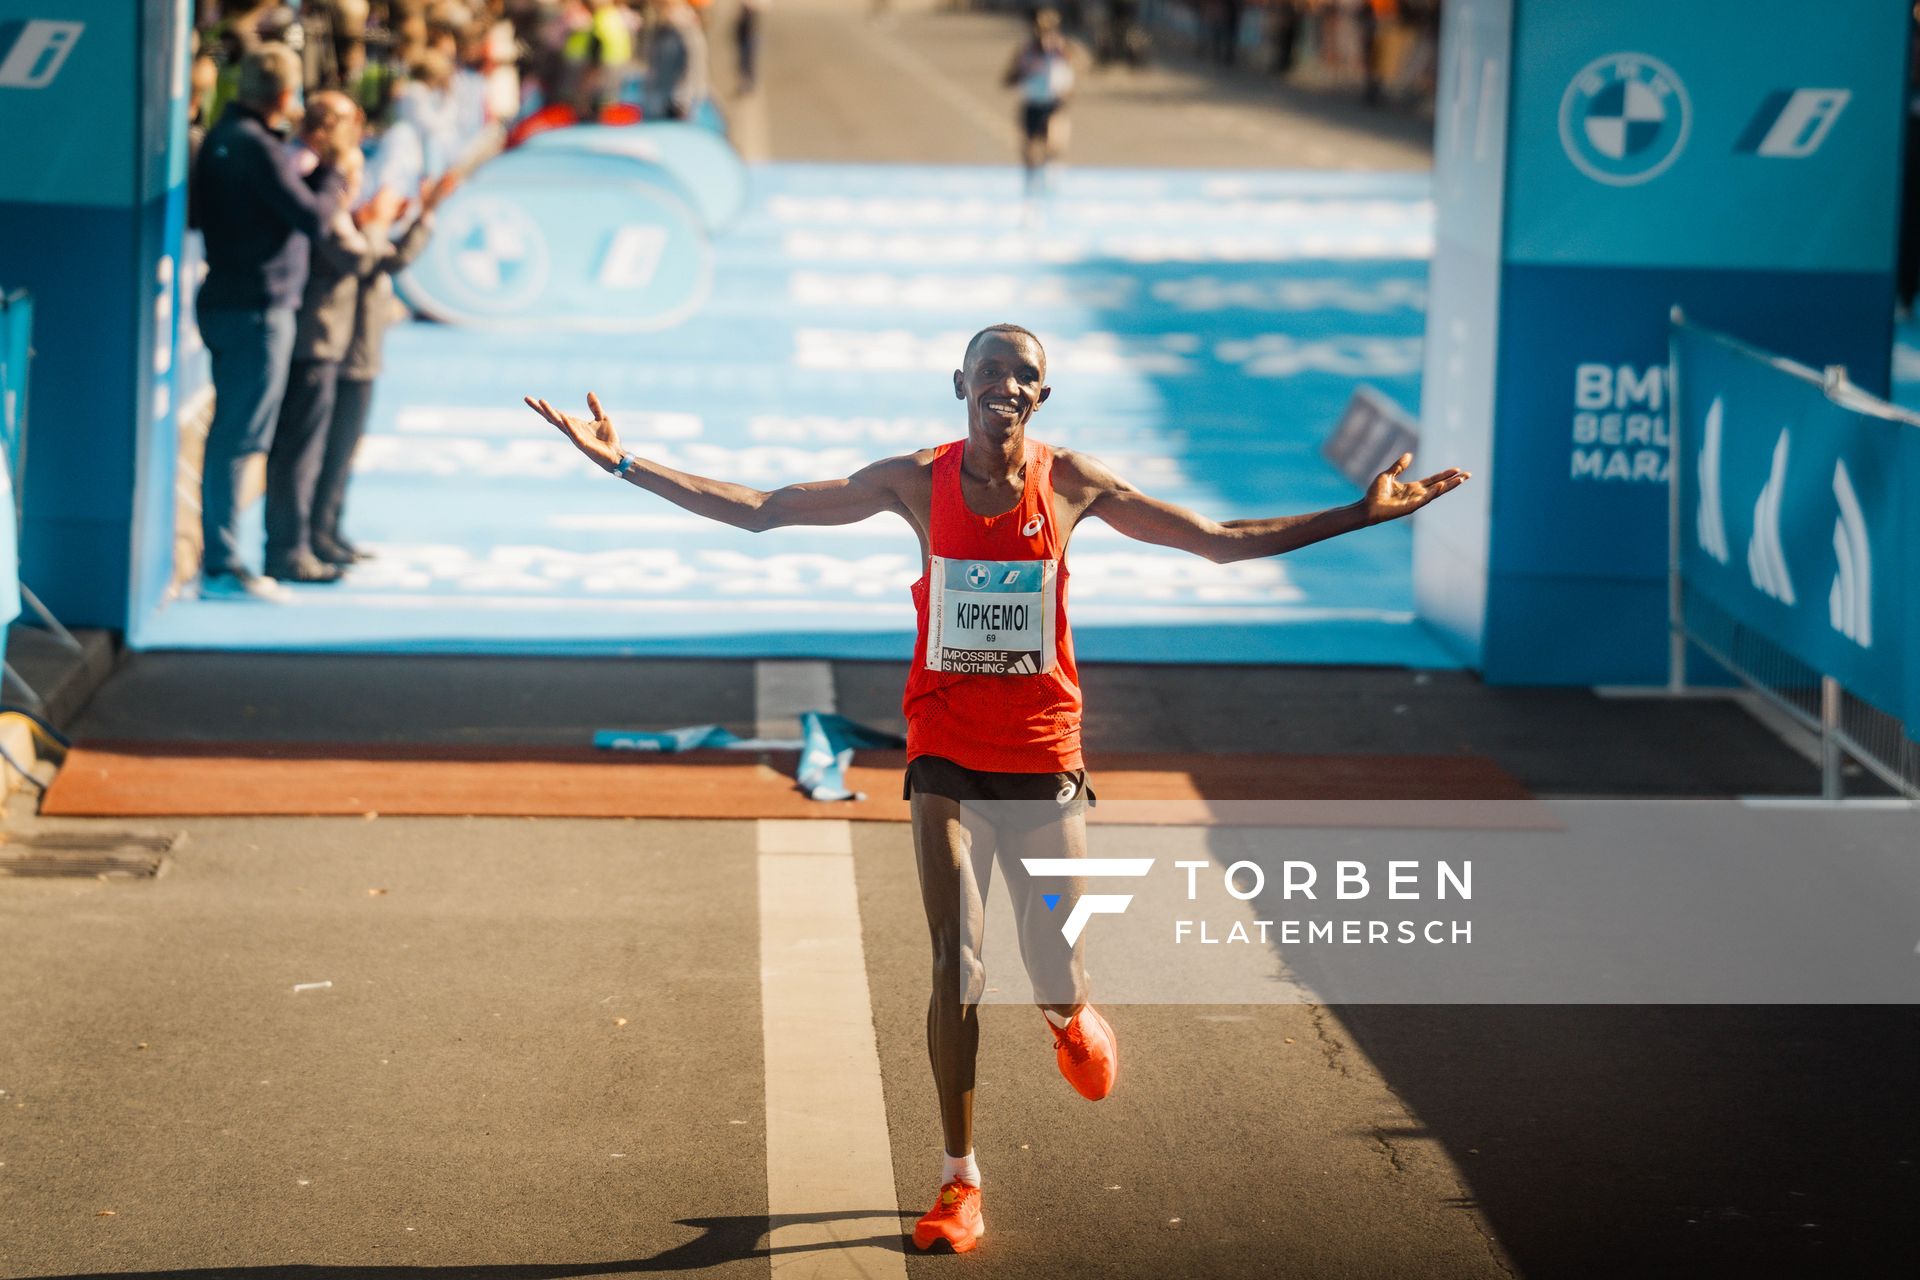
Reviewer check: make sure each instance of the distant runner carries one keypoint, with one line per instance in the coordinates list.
(992, 700)
(1043, 71)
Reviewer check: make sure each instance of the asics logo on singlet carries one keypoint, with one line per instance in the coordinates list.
(1030, 528)
(1089, 905)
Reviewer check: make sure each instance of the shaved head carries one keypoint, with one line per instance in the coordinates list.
(1005, 331)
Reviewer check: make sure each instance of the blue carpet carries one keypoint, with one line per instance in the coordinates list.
(1204, 333)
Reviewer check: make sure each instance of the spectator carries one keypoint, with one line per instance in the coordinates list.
(598, 49)
(429, 104)
(374, 310)
(1286, 35)
(243, 27)
(203, 81)
(256, 215)
(496, 57)
(746, 36)
(321, 329)
(350, 41)
(676, 64)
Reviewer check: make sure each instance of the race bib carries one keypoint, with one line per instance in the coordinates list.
(990, 617)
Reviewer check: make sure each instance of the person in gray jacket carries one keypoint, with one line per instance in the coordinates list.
(338, 254)
(346, 257)
(374, 309)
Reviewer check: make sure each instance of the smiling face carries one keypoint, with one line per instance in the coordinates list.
(1004, 381)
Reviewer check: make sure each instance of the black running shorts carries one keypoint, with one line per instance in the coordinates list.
(938, 776)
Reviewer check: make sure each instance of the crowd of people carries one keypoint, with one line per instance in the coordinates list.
(323, 136)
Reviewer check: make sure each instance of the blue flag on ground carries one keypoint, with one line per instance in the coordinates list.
(826, 747)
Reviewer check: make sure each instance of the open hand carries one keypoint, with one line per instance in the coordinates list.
(434, 191)
(1389, 497)
(385, 207)
(594, 437)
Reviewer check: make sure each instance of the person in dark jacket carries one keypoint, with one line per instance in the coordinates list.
(256, 214)
(374, 309)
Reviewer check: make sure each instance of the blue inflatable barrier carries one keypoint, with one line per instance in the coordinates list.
(562, 239)
(702, 160)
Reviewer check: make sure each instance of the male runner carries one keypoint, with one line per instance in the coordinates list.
(1043, 70)
(993, 698)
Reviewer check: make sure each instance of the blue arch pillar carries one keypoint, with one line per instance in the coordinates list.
(93, 109)
(1595, 165)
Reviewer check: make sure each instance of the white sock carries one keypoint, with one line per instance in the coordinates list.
(960, 1169)
(1056, 1019)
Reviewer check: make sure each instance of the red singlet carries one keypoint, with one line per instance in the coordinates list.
(1026, 720)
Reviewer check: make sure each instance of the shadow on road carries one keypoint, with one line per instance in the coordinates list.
(725, 1239)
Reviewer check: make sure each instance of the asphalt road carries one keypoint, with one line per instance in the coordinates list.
(464, 1099)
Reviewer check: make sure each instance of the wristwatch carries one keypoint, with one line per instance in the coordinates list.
(625, 465)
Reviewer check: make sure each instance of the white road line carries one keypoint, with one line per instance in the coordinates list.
(830, 1192)
(782, 690)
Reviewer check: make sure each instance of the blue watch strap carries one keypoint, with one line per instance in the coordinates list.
(625, 465)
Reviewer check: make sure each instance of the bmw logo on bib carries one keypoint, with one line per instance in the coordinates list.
(977, 575)
(1624, 119)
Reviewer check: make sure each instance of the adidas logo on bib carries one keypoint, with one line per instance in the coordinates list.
(1024, 667)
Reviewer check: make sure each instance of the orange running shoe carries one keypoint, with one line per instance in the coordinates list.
(1089, 1057)
(955, 1218)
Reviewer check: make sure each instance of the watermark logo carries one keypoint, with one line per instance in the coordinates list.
(1088, 905)
(33, 51)
(1791, 124)
(1624, 119)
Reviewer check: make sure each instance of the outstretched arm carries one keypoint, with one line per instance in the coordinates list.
(867, 492)
(1147, 519)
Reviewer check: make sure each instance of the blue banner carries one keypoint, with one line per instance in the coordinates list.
(1798, 514)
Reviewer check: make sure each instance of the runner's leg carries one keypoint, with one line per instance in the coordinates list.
(1056, 969)
(955, 855)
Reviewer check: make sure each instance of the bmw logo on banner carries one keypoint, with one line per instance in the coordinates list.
(569, 241)
(1624, 119)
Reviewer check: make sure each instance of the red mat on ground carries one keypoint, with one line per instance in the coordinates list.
(175, 779)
